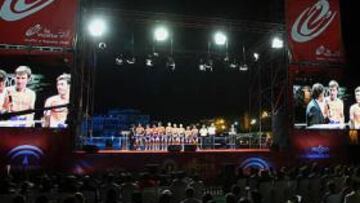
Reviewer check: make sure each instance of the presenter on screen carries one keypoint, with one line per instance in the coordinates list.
(315, 110)
(355, 111)
(56, 117)
(3, 93)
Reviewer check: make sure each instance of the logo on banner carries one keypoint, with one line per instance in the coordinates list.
(317, 152)
(13, 10)
(25, 155)
(255, 162)
(33, 30)
(312, 21)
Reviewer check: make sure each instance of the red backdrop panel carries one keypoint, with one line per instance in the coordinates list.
(41, 22)
(35, 148)
(314, 30)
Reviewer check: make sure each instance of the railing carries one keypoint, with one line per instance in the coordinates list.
(125, 142)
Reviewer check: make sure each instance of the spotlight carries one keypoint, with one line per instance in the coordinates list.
(149, 62)
(233, 64)
(256, 56)
(170, 63)
(220, 38)
(244, 67)
(97, 27)
(131, 60)
(119, 60)
(102, 45)
(206, 65)
(209, 65)
(161, 34)
(277, 43)
(253, 122)
(202, 65)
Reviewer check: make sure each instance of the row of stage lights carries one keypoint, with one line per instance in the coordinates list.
(97, 28)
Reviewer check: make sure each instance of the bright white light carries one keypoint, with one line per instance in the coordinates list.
(161, 34)
(277, 43)
(97, 27)
(149, 63)
(220, 38)
(243, 67)
(253, 121)
(256, 56)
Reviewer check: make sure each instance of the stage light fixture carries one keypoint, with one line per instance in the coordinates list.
(202, 67)
(97, 27)
(206, 65)
(149, 62)
(209, 63)
(119, 60)
(253, 121)
(131, 60)
(220, 38)
(170, 63)
(102, 45)
(161, 34)
(244, 67)
(233, 64)
(277, 43)
(256, 56)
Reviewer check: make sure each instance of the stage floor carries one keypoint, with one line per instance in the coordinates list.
(207, 151)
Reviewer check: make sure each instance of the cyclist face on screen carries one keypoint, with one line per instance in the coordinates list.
(63, 87)
(21, 81)
(333, 92)
(357, 97)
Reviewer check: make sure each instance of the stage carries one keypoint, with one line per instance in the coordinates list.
(207, 163)
(201, 151)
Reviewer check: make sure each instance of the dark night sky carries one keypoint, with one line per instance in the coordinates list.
(186, 93)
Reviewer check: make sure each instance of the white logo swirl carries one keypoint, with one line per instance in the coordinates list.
(21, 9)
(312, 21)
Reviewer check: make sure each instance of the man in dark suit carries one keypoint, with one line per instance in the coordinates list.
(314, 113)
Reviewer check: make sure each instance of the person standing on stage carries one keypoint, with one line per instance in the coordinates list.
(212, 134)
(181, 134)
(334, 105)
(161, 134)
(131, 137)
(148, 136)
(56, 118)
(174, 134)
(355, 111)
(315, 110)
(154, 138)
(22, 98)
(168, 132)
(232, 135)
(194, 135)
(139, 137)
(203, 134)
(4, 103)
(187, 139)
(212, 129)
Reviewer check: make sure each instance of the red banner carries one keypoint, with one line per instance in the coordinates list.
(314, 30)
(38, 23)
